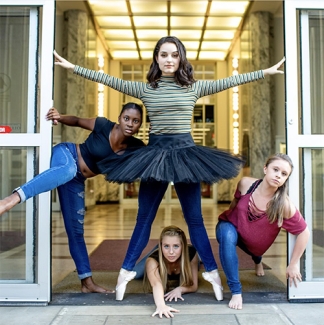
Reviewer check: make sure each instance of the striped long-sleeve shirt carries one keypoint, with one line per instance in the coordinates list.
(169, 106)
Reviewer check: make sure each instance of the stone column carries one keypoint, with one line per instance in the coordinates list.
(73, 88)
(74, 101)
(261, 140)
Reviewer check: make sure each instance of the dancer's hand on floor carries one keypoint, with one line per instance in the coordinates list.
(174, 294)
(165, 310)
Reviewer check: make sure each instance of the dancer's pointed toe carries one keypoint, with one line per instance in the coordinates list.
(213, 278)
(123, 278)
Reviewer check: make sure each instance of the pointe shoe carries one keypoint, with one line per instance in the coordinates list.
(126, 277)
(218, 289)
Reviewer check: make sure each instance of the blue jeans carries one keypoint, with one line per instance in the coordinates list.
(64, 174)
(150, 196)
(228, 239)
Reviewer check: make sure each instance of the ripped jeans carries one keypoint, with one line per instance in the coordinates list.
(64, 174)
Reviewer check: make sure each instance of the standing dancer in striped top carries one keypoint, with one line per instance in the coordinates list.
(171, 155)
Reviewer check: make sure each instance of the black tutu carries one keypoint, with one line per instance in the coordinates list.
(171, 158)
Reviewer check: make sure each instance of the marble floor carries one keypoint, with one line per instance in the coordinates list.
(115, 221)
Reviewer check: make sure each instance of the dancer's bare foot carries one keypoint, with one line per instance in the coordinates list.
(259, 269)
(236, 302)
(88, 286)
(9, 202)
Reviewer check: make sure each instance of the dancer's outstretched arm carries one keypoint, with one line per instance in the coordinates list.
(152, 269)
(70, 120)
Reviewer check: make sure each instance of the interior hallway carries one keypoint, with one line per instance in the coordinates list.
(115, 221)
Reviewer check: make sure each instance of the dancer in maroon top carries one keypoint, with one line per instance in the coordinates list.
(260, 208)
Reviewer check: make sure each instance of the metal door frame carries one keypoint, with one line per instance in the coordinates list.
(308, 289)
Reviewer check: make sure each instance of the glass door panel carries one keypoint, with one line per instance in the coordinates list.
(316, 64)
(14, 34)
(16, 226)
(305, 136)
(26, 62)
(16, 24)
(316, 269)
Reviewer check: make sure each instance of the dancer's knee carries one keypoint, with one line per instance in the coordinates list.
(226, 233)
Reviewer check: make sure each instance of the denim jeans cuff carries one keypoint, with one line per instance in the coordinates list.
(20, 193)
(84, 275)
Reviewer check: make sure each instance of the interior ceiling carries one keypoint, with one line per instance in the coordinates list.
(131, 28)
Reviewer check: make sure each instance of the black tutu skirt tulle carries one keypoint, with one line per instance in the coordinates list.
(171, 158)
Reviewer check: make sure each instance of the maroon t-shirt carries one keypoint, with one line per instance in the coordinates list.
(259, 234)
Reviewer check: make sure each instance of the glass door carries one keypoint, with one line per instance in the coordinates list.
(304, 26)
(26, 74)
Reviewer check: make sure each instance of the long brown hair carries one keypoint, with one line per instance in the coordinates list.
(183, 76)
(185, 267)
(277, 206)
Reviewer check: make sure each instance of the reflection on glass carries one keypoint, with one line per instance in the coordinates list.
(316, 48)
(12, 223)
(318, 212)
(14, 35)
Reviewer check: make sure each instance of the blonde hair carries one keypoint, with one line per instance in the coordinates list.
(185, 267)
(277, 206)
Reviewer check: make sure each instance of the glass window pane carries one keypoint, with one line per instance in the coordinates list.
(209, 113)
(210, 68)
(127, 76)
(138, 73)
(317, 212)
(127, 68)
(14, 56)
(316, 53)
(198, 113)
(312, 208)
(16, 251)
